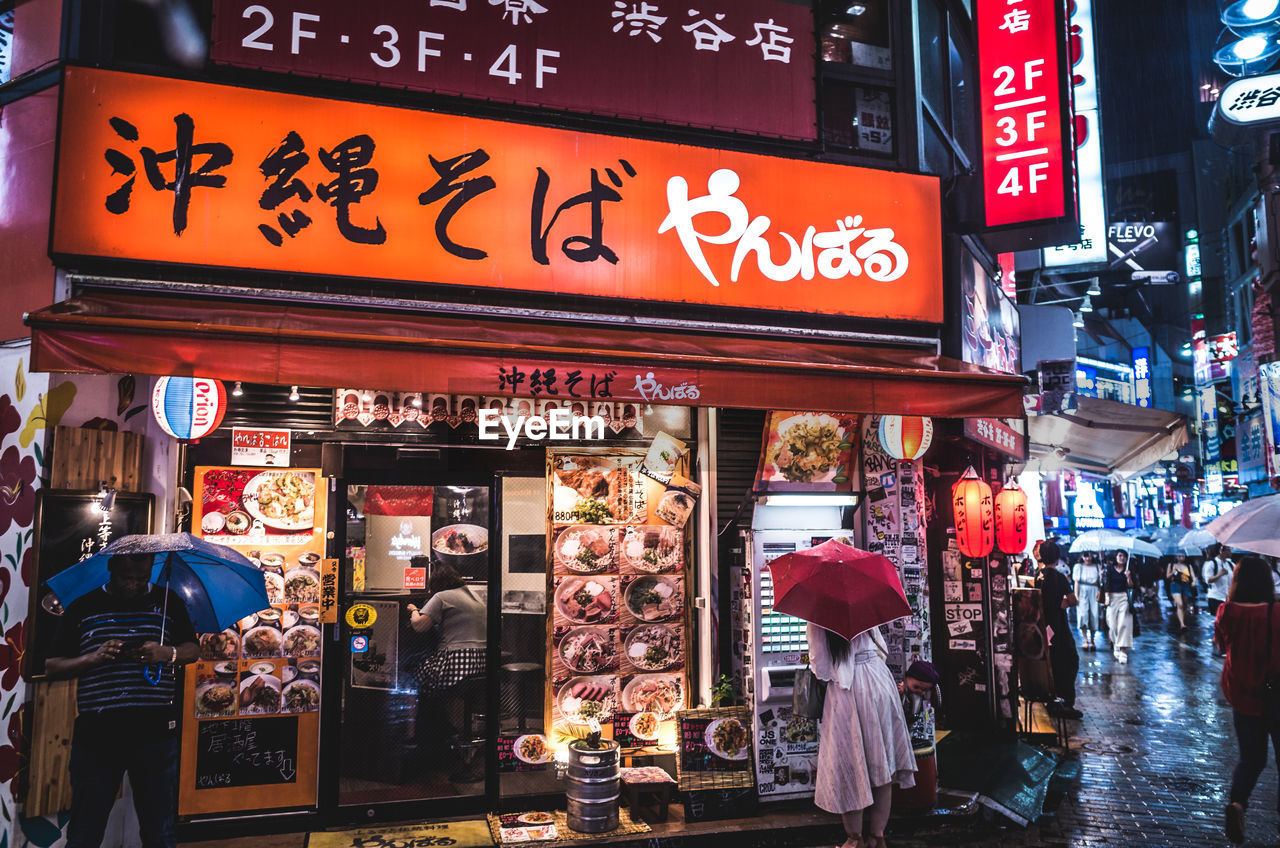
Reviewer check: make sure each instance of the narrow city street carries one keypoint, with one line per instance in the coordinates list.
(1155, 750)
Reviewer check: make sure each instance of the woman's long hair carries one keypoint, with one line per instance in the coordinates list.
(837, 646)
(1251, 583)
(443, 577)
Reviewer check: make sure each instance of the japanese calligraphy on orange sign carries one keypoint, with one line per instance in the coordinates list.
(192, 173)
(329, 591)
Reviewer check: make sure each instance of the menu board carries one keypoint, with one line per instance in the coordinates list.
(526, 827)
(523, 752)
(715, 740)
(619, 637)
(268, 664)
(247, 752)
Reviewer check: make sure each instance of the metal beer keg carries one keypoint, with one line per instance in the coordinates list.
(593, 786)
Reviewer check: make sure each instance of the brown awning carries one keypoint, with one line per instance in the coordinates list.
(310, 345)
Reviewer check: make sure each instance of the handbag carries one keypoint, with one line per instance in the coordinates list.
(808, 694)
(1271, 682)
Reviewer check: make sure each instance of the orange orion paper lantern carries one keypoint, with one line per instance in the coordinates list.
(906, 436)
(1011, 519)
(975, 518)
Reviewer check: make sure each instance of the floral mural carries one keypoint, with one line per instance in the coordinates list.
(26, 409)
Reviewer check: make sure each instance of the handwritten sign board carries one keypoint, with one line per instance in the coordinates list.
(259, 446)
(70, 526)
(247, 752)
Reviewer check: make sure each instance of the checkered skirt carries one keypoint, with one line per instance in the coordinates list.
(446, 669)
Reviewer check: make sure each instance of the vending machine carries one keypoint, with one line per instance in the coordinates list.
(770, 647)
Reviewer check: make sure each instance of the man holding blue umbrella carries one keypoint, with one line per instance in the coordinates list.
(127, 627)
(110, 640)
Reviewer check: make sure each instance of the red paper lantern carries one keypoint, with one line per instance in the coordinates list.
(1011, 519)
(975, 518)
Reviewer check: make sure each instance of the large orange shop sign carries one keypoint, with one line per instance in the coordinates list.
(172, 171)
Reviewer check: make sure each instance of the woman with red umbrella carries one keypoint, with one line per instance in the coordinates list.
(846, 594)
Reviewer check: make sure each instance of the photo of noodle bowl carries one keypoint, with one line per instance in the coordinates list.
(727, 738)
(532, 749)
(588, 650)
(656, 647)
(585, 698)
(645, 726)
(657, 693)
(216, 698)
(808, 448)
(655, 549)
(585, 549)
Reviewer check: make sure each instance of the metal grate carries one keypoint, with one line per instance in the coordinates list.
(263, 405)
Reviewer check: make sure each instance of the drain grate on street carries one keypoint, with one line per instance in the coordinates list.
(1106, 748)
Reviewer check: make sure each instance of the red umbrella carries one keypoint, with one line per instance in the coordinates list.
(838, 587)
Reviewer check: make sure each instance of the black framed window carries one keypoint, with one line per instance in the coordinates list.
(948, 87)
(859, 85)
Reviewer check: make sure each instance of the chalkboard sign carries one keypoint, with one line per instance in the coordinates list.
(71, 526)
(247, 752)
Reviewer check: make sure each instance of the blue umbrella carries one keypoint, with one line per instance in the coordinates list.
(218, 585)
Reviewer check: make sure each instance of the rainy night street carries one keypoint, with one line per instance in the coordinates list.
(1156, 749)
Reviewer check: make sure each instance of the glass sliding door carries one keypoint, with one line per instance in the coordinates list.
(415, 642)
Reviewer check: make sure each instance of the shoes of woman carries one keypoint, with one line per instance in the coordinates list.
(1234, 823)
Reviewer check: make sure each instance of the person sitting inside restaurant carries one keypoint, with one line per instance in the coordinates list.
(460, 619)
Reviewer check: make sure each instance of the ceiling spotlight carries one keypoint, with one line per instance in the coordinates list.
(367, 397)
(238, 391)
(417, 401)
(1087, 306)
(1078, 322)
(293, 393)
(1094, 288)
(1244, 15)
(1241, 56)
(856, 9)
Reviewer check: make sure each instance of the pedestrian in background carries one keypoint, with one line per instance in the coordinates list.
(1087, 577)
(1149, 574)
(867, 748)
(1246, 627)
(1217, 574)
(1181, 582)
(1056, 597)
(1116, 583)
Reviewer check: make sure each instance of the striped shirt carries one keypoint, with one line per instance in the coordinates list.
(119, 692)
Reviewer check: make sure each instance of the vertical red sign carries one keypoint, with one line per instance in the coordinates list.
(1025, 166)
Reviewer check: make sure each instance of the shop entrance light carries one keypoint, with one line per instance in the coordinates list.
(1094, 288)
(1078, 322)
(238, 391)
(1087, 306)
(293, 394)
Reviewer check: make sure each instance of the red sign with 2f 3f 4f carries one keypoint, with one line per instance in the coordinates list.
(1025, 161)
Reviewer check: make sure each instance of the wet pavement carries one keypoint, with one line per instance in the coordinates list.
(1156, 749)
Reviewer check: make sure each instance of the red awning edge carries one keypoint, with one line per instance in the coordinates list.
(118, 333)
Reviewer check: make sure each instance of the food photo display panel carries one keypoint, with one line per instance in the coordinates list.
(267, 664)
(619, 640)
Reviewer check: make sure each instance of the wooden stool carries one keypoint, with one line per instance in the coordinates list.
(645, 796)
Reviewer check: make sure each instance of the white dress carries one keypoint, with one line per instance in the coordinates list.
(864, 740)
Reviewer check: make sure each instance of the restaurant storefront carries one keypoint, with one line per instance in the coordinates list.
(462, 331)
